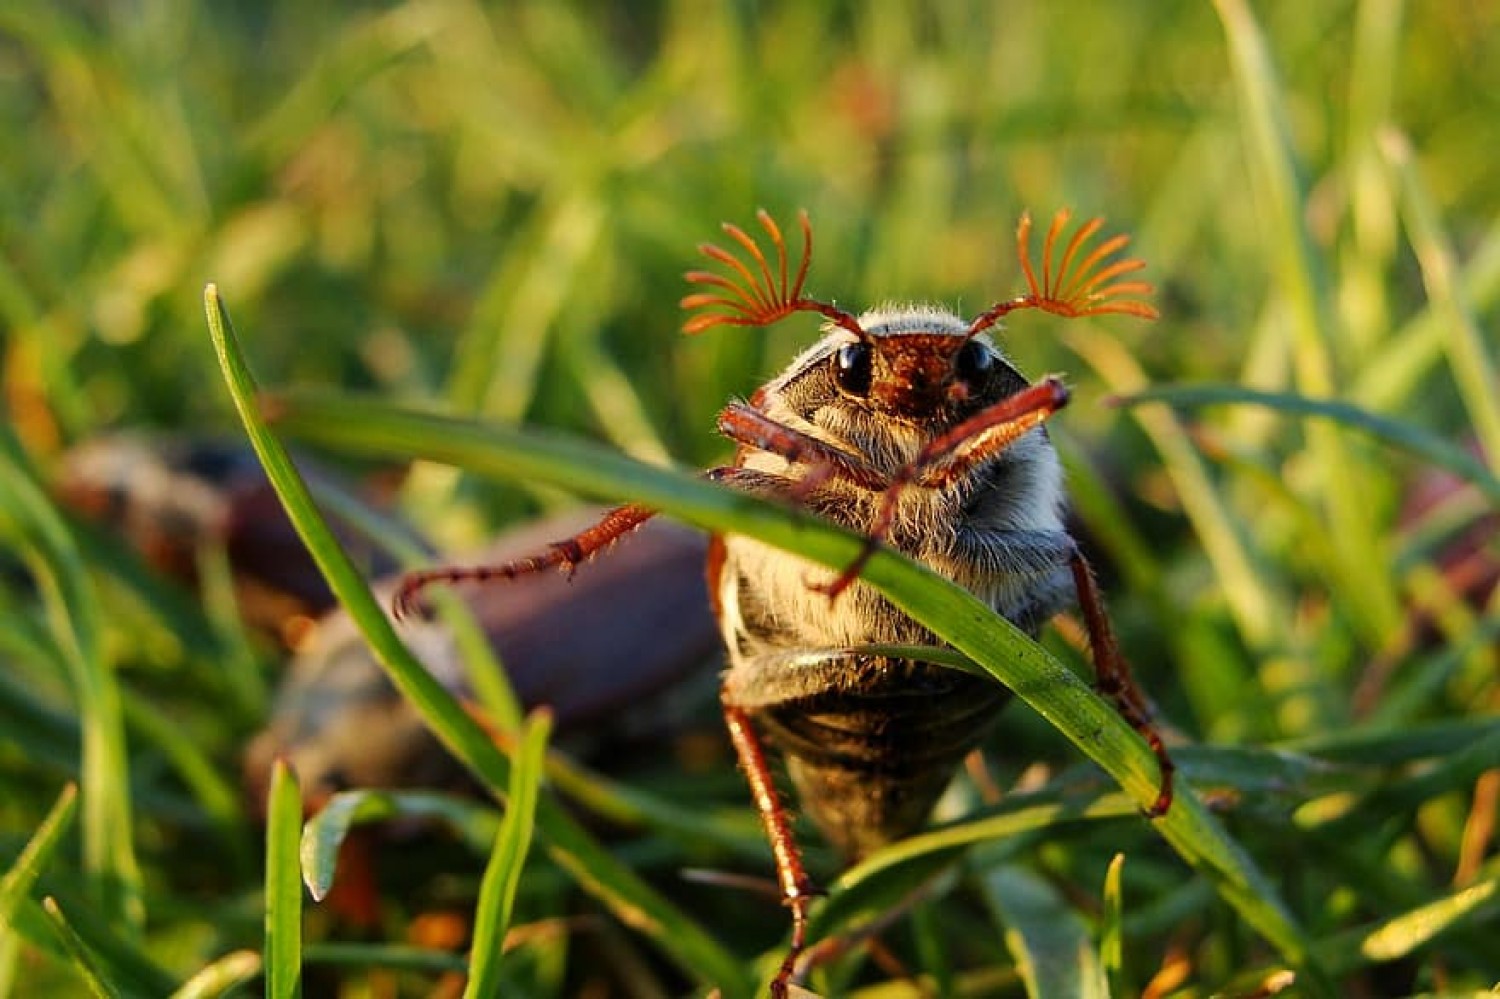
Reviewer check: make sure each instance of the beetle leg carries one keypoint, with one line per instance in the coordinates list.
(750, 427)
(797, 890)
(1114, 680)
(566, 554)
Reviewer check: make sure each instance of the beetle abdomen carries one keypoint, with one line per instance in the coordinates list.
(870, 759)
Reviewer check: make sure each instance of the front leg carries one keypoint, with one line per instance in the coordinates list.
(750, 427)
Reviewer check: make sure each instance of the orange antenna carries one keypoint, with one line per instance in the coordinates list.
(1074, 291)
(758, 296)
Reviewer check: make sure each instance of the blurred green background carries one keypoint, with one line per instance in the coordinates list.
(490, 207)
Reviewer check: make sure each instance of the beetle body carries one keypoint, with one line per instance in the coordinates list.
(908, 426)
(871, 741)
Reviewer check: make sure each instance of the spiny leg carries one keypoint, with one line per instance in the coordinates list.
(1114, 680)
(797, 890)
(750, 427)
(566, 554)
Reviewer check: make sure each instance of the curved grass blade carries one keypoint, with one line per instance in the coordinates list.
(502, 875)
(1397, 938)
(1429, 447)
(222, 976)
(1047, 937)
(951, 612)
(325, 832)
(283, 952)
(633, 901)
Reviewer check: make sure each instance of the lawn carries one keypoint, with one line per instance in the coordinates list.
(444, 246)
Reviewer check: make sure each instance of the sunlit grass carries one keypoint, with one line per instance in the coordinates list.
(488, 212)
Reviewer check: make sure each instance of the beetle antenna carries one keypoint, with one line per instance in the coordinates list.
(1091, 288)
(758, 297)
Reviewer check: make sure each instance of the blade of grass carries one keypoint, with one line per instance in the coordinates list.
(74, 620)
(18, 881)
(325, 832)
(502, 875)
(631, 899)
(1257, 602)
(84, 961)
(951, 612)
(283, 949)
(1299, 280)
(221, 977)
(1468, 358)
(1111, 926)
(1048, 938)
(1409, 437)
(114, 951)
(1389, 376)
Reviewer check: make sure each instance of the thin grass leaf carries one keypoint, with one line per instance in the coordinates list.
(1469, 359)
(1254, 595)
(84, 961)
(932, 949)
(1429, 447)
(223, 976)
(502, 875)
(1390, 376)
(397, 957)
(114, 950)
(18, 881)
(1050, 941)
(1365, 290)
(1400, 937)
(1112, 926)
(283, 947)
(1343, 486)
(1388, 746)
(632, 900)
(220, 800)
(324, 833)
(75, 623)
(951, 612)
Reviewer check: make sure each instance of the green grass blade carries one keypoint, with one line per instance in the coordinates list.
(18, 881)
(222, 976)
(502, 875)
(325, 832)
(632, 900)
(1111, 926)
(114, 950)
(1049, 939)
(283, 949)
(1429, 447)
(1300, 281)
(1468, 357)
(84, 961)
(74, 619)
(951, 612)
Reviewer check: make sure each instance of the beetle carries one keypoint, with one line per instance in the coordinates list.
(910, 426)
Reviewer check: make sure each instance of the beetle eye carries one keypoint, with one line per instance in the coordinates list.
(974, 363)
(852, 368)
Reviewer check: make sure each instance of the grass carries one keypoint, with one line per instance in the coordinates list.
(486, 213)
